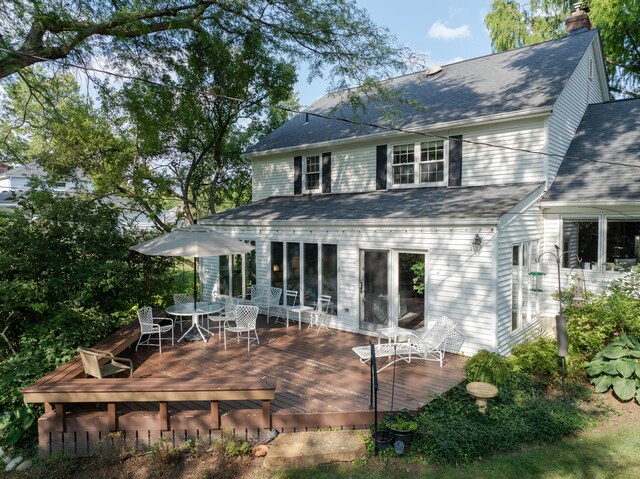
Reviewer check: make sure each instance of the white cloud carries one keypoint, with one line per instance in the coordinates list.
(441, 31)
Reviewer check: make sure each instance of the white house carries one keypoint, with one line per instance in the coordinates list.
(15, 181)
(446, 213)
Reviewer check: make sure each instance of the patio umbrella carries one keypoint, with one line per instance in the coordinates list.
(196, 241)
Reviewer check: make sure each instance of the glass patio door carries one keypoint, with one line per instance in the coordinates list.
(374, 289)
(411, 286)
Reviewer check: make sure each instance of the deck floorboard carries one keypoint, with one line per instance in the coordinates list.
(314, 372)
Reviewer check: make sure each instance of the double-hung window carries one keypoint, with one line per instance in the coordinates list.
(419, 163)
(312, 173)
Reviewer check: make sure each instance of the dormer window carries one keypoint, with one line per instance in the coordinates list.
(429, 169)
(312, 173)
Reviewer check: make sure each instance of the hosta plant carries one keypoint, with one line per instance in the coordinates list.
(617, 366)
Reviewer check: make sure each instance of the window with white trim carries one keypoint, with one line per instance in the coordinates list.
(312, 173)
(525, 302)
(602, 243)
(428, 167)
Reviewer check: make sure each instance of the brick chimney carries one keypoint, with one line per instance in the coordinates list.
(578, 21)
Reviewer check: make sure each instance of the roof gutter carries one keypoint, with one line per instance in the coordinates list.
(418, 129)
(489, 222)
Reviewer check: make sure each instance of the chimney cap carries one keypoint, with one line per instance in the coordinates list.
(580, 7)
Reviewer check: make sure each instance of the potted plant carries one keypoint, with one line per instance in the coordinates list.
(402, 426)
(383, 439)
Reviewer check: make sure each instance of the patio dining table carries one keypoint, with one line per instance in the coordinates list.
(200, 309)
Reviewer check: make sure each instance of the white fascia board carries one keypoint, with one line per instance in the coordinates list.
(411, 130)
(602, 73)
(604, 205)
(531, 199)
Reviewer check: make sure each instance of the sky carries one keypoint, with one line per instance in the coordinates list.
(444, 31)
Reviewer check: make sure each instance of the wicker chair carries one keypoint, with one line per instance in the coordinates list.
(244, 322)
(91, 362)
(149, 328)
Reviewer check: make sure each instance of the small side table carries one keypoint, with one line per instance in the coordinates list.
(394, 334)
(299, 310)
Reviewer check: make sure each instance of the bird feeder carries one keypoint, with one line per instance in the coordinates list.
(537, 280)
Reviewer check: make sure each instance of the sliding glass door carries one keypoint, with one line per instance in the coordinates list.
(374, 289)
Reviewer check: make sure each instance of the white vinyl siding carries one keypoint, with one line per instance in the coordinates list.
(353, 168)
(459, 283)
(522, 224)
(505, 162)
(272, 176)
(581, 90)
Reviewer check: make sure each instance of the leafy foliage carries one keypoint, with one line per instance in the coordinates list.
(487, 367)
(67, 279)
(334, 36)
(514, 24)
(592, 326)
(539, 358)
(452, 431)
(617, 366)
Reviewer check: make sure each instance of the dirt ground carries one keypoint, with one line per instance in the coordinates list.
(209, 464)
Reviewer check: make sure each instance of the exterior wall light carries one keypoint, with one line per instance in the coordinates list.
(477, 243)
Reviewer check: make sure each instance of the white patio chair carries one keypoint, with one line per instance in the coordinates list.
(248, 298)
(228, 314)
(319, 316)
(271, 300)
(431, 345)
(290, 300)
(149, 328)
(244, 322)
(182, 298)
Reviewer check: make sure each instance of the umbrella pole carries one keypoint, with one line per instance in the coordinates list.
(195, 268)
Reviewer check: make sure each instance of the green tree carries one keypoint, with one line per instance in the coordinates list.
(513, 24)
(158, 146)
(333, 36)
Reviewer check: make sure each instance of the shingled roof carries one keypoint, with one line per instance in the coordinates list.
(512, 81)
(602, 163)
(430, 204)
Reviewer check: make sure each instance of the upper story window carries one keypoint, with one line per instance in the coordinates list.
(429, 168)
(312, 173)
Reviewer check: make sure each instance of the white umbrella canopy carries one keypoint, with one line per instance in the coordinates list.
(196, 241)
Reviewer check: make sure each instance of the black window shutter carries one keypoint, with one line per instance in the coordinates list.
(326, 172)
(381, 167)
(297, 175)
(455, 160)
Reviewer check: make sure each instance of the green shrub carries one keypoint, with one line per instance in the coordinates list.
(452, 431)
(617, 367)
(538, 358)
(591, 327)
(487, 367)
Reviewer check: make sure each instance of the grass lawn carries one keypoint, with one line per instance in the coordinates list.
(607, 450)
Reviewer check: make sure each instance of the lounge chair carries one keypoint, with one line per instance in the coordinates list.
(91, 359)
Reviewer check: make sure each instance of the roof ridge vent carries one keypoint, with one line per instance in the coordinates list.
(433, 71)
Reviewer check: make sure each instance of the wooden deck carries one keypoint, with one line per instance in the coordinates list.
(319, 382)
(314, 373)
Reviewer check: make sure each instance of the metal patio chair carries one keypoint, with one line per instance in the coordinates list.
(244, 322)
(228, 314)
(149, 328)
